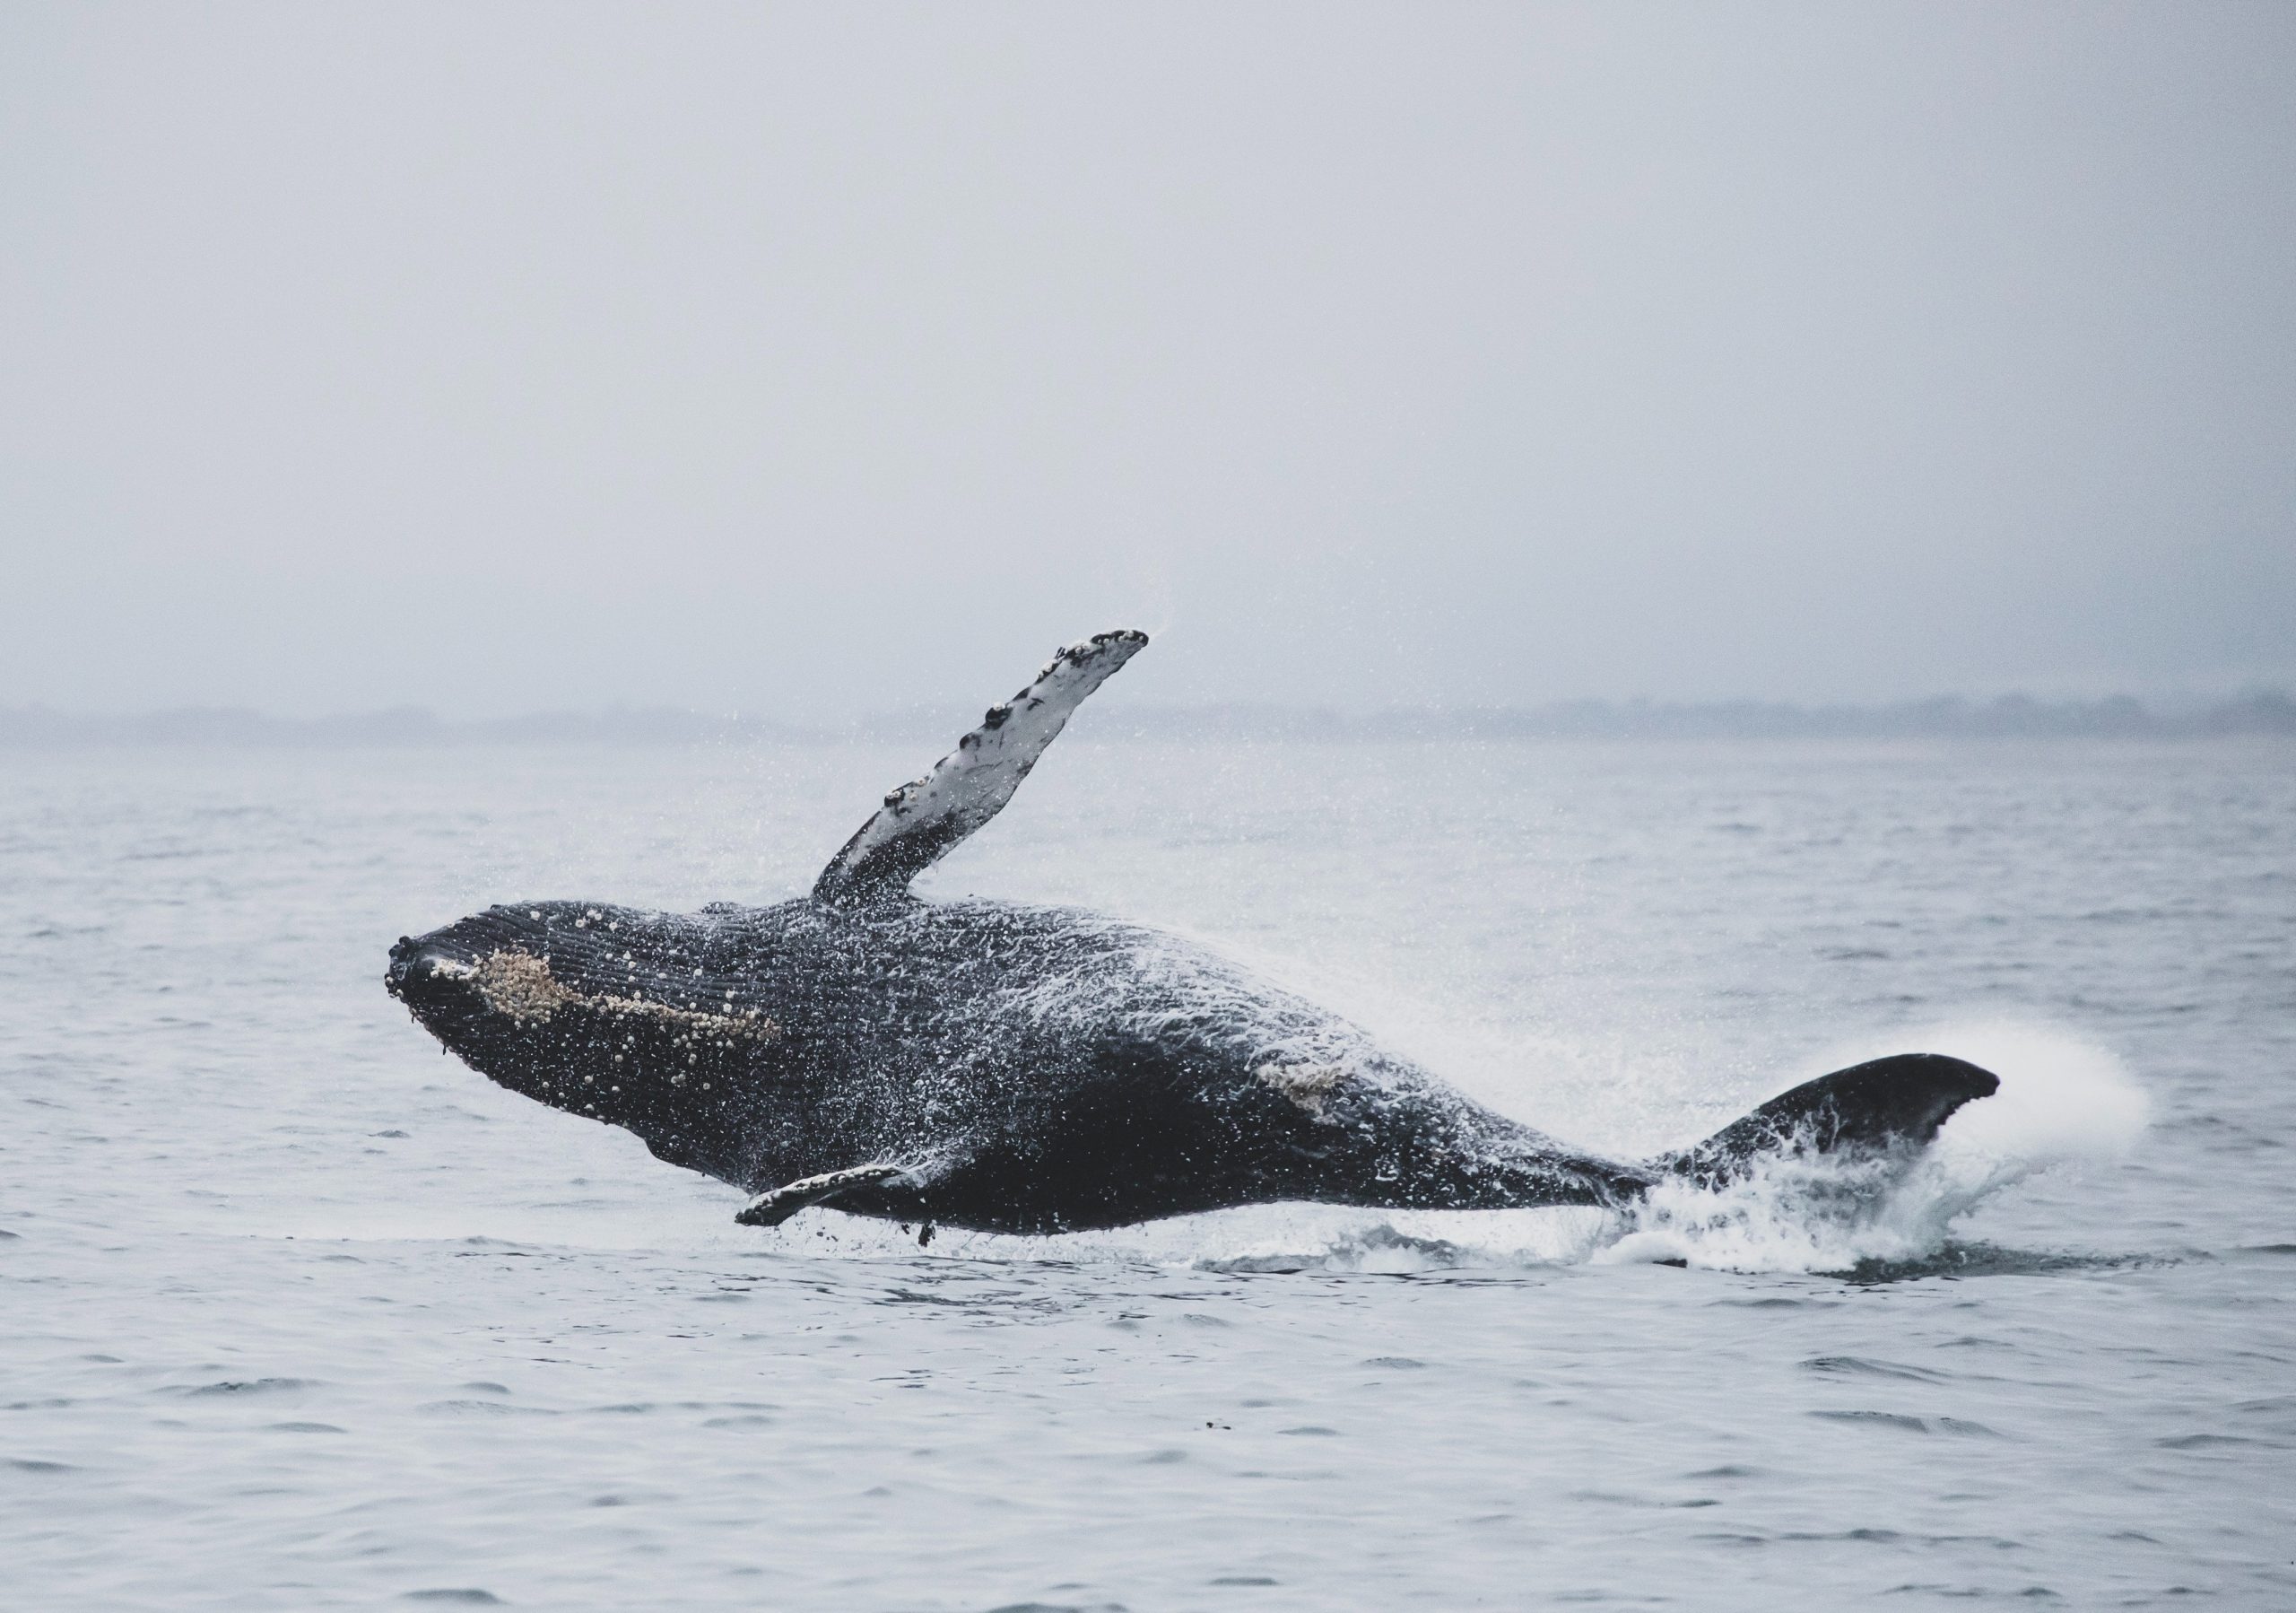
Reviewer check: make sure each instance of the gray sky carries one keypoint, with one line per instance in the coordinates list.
(506, 357)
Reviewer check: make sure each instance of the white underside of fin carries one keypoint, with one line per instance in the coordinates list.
(772, 1208)
(971, 785)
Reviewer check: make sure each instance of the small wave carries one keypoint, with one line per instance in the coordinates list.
(1988, 1259)
(1405, 1244)
(1259, 1238)
(250, 1386)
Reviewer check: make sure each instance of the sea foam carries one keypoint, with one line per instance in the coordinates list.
(2063, 1102)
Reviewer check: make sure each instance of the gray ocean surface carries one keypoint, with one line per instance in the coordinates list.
(297, 1313)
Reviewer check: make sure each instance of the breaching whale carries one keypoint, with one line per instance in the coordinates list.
(1023, 1069)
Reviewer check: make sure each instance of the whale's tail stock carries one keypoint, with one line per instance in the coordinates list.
(1888, 1106)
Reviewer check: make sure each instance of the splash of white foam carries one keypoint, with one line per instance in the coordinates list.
(2063, 1101)
(1259, 1237)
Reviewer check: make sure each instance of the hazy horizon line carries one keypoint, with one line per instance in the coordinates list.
(2261, 712)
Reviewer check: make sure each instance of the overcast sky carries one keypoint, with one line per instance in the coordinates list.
(502, 357)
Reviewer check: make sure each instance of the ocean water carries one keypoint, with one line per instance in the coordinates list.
(297, 1313)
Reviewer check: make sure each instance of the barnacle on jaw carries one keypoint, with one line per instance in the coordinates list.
(519, 986)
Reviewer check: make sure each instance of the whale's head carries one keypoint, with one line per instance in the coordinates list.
(481, 980)
(601, 1012)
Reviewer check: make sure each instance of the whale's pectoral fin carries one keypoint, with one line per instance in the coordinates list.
(777, 1205)
(1892, 1104)
(925, 818)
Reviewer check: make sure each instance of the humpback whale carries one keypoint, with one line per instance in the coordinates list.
(1025, 1069)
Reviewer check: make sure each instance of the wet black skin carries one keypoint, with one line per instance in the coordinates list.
(1020, 1069)
(1037, 1070)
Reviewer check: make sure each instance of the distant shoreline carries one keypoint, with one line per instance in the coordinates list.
(2270, 712)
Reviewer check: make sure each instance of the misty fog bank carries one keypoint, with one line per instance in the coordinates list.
(2010, 717)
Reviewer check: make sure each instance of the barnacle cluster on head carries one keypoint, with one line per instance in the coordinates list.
(519, 985)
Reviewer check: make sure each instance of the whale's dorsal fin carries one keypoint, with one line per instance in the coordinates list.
(971, 785)
(1894, 1104)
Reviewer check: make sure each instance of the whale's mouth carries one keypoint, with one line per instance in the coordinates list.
(488, 965)
(422, 971)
